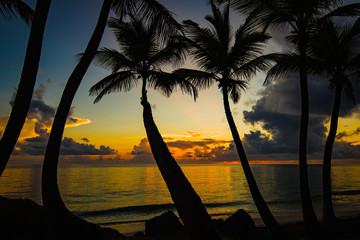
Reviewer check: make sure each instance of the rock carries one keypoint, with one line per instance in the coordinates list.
(164, 224)
(238, 224)
(112, 234)
(23, 219)
(138, 235)
(219, 224)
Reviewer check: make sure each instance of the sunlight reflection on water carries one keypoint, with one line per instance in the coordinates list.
(103, 193)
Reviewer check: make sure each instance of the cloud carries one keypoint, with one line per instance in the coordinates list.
(37, 146)
(85, 140)
(38, 123)
(203, 151)
(347, 134)
(277, 112)
(70, 147)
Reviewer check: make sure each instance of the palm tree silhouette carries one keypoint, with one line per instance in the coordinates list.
(65, 223)
(337, 55)
(301, 17)
(231, 67)
(332, 53)
(142, 56)
(26, 85)
(9, 9)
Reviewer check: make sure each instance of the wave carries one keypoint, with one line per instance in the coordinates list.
(346, 193)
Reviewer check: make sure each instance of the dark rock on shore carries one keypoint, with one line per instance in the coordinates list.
(166, 223)
(26, 220)
(240, 224)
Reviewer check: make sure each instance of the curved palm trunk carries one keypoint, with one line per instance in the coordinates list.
(311, 222)
(266, 215)
(26, 85)
(188, 204)
(63, 219)
(328, 209)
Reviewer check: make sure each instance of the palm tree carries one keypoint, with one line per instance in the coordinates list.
(338, 54)
(63, 219)
(332, 53)
(301, 17)
(231, 67)
(26, 85)
(142, 57)
(10, 8)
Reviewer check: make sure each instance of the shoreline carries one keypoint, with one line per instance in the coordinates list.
(25, 219)
(130, 229)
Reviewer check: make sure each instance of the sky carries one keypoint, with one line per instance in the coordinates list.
(112, 130)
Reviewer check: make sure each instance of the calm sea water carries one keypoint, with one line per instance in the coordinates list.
(123, 196)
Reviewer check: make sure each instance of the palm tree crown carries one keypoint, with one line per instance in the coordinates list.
(142, 56)
(226, 58)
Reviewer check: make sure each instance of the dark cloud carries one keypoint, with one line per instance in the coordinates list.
(70, 147)
(37, 146)
(44, 116)
(142, 153)
(277, 112)
(205, 151)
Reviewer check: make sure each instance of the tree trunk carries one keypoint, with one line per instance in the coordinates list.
(267, 217)
(312, 225)
(328, 209)
(188, 204)
(54, 205)
(26, 85)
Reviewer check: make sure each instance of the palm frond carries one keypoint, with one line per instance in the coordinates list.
(235, 87)
(345, 11)
(174, 53)
(116, 82)
(167, 83)
(113, 60)
(9, 9)
(261, 63)
(200, 79)
(287, 65)
(205, 47)
(167, 25)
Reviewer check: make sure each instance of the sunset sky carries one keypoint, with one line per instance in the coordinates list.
(112, 130)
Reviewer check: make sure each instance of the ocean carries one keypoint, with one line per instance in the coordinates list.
(124, 196)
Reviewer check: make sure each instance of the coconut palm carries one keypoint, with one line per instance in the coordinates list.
(27, 81)
(301, 17)
(9, 9)
(337, 55)
(333, 53)
(142, 56)
(63, 219)
(230, 60)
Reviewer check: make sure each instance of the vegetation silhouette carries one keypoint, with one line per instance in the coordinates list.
(9, 9)
(142, 57)
(65, 223)
(231, 67)
(338, 58)
(26, 85)
(335, 57)
(301, 17)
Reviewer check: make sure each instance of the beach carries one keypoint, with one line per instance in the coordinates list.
(29, 221)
